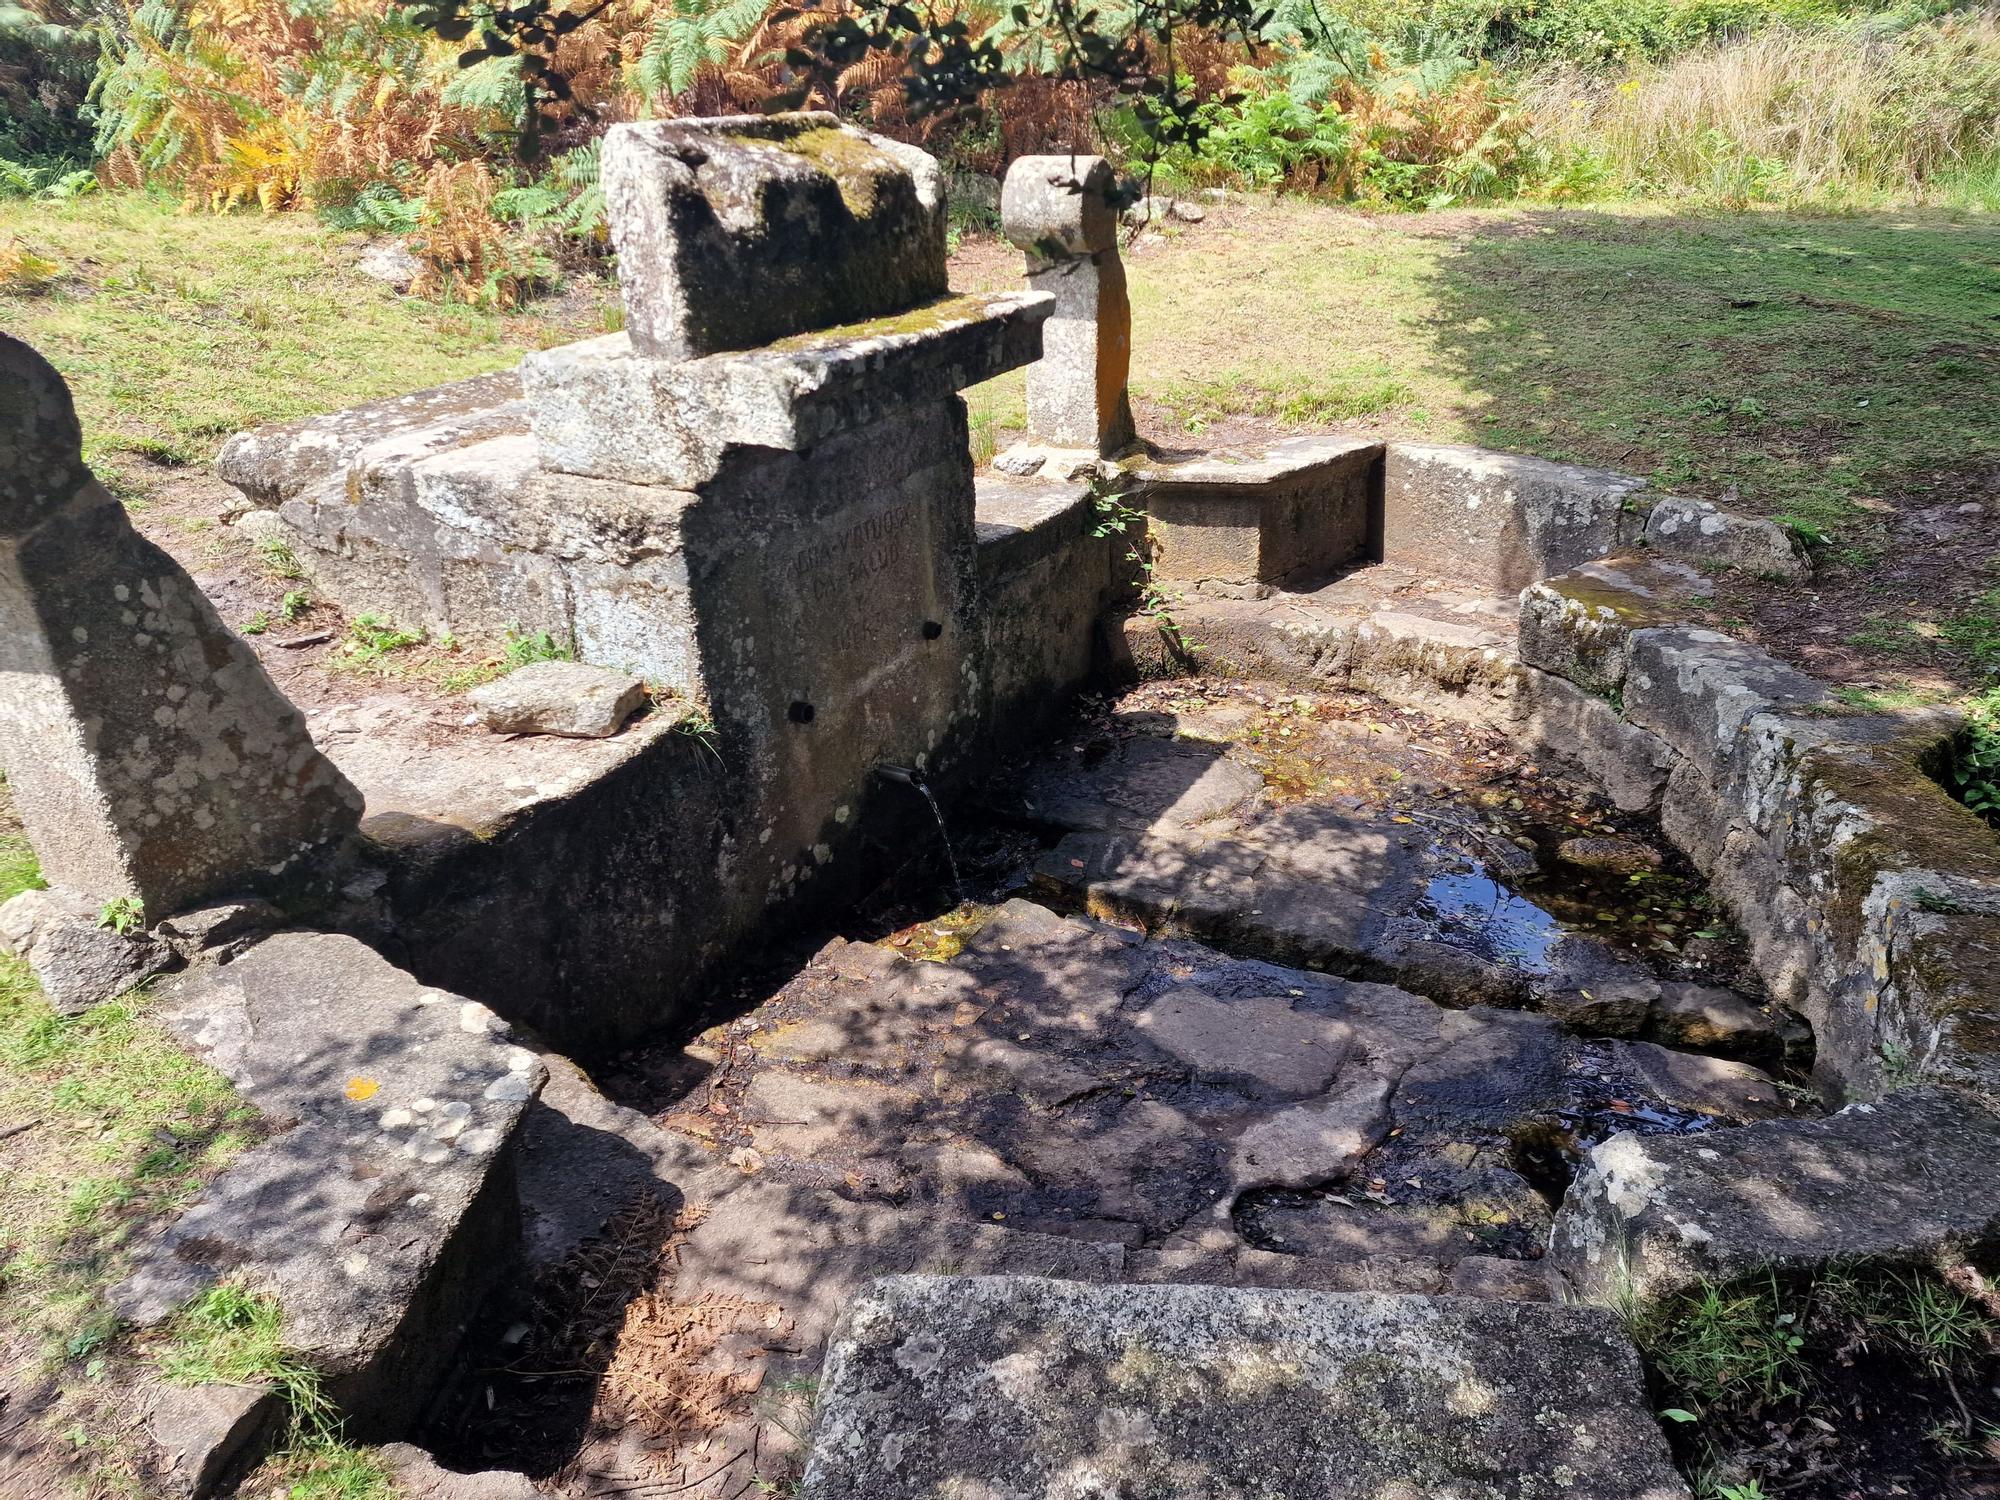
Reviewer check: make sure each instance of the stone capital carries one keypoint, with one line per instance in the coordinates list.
(1059, 207)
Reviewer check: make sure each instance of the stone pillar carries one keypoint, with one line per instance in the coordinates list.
(787, 400)
(149, 755)
(1058, 210)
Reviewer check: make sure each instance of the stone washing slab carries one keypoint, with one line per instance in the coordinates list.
(380, 1211)
(1699, 689)
(284, 461)
(1497, 520)
(1018, 1387)
(603, 408)
(1304, 884)
(1913, 1177)
(1302, 507)
(1404, 635)
(738, 230)
(1579, 624)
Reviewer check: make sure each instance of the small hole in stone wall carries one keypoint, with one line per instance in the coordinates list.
(932, 630)
(800, 712)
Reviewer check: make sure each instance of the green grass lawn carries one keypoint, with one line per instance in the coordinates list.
(1798, 364)
(176, 330)
(1801, 363)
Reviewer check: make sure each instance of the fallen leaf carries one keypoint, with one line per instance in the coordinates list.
(362, 1089)
(747, 1159)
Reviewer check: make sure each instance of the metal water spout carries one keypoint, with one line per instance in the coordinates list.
(914, 777)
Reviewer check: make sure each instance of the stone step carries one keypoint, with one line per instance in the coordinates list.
(374, 1212)
(1007, 1385)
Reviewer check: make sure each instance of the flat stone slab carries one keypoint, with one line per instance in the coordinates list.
(1060, 1075)
(1398, 631)
(1305, 884)
(374, 1215)
(602, 408)
(1912, 1178)
(1146, 785)
(1017, 1387)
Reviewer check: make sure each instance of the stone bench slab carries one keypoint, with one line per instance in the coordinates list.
(1020, 1387)
(601, 408)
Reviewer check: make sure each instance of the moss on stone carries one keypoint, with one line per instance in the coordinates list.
(857, 167)
(927, 317)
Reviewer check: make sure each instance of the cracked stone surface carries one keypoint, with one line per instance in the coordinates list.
(1211, 1114)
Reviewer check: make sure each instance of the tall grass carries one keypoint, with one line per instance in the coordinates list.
(1795, 116)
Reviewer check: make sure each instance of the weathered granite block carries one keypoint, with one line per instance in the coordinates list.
(1304, 506)
(78, 962)
(203, 1436)
(1911, 1178)
(565, 698)
(737, 231)
(1496, 518)
(603, 408)
(1631, 764)
(384, 1207)
(1579, 624)
(1702, 530)
(1043, 579)
(1059, 210)
(278, 463)
(1697, 689)
(941, 1385)
(149, 754)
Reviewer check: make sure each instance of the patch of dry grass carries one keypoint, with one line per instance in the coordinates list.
(1796, 115)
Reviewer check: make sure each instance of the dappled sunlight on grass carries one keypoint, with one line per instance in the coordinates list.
(176, 329)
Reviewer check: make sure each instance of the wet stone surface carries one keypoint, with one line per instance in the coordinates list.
(1185, 1041)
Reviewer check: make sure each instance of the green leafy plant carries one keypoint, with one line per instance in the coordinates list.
(258, 623)
(278, 559)
(294, 605)
(1721, 1344)
(371, 637)
(525, 647)
(122, 915)
(1975, 765)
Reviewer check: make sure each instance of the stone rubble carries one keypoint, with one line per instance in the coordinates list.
(78, 960)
